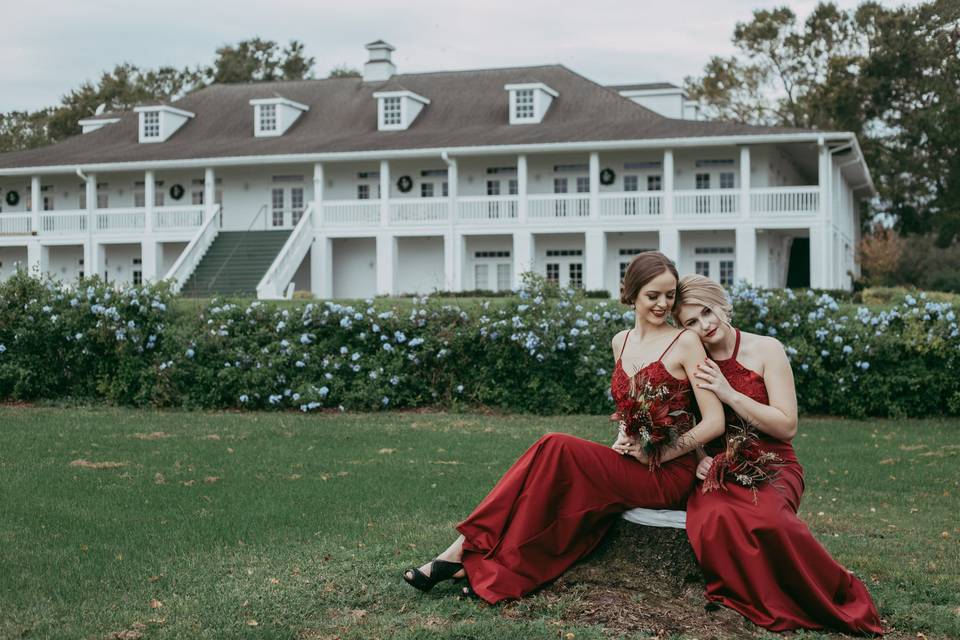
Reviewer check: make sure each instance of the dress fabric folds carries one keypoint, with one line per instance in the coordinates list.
(759, 558)
(556, 502)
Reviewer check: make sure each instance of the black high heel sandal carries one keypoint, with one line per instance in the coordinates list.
(440, 570)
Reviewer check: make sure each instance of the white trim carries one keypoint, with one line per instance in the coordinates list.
(401, 94)
(167, 108)
(94, 121)
(531, 85)
(629, 93)
(280, 100)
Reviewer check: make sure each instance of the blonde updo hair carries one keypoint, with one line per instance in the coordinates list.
(701, 290)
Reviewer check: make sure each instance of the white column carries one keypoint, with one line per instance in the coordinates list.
(321, 267)
(745, 262)
(36, 205)
(318, 179)
(819, 249)
(452, 241)
(149, 202)
(667, 188)
(384, 194)
(523, 257)
(670, 244)
(209, 192)
(594, 187)
(386, 262)
(93, 259)
(595, 243)
(150, 265)
(825, 260)
(91, 263)
(744, 182)
(35, 258)
(521, 191)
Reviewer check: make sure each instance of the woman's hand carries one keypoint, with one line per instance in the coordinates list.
(710, 377)
(622, 441)
(634, 450)
(704, 467)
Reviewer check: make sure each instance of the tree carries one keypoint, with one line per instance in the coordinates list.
(259, 60)
(890, 76)
(343, 71)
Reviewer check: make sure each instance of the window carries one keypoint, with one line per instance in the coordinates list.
(276, 206)
(630, 183)
(702, 268)
(491, 254)
(553, 272)
(103, 199)
(480, 276)
(726, 272)
(151, 124)
(363, 192)
(524, 108)
(576, 274)
(493, 187)
(503, 277)
(426, 189)
(726, 180)
(654, 183)
(513, 187)
(48, 203)
(137, 277)
(296, 203)
(623, 269)
(703, 181)
(392, 111)
(556, 253)
(139, 199)
(268, 117)
(196, 197)
(583, 185)
(445, 189)
(559, 185)
(704, 251)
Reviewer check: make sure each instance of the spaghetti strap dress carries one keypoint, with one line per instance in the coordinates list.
(556, 502)
(758, 557)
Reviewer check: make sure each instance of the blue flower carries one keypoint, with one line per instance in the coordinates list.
(824, 353)
(189, 352)
(385, 400)
(3, 348)
(847, 348)
(804, 366)
(864, 365)
(305, 339)
(323, 391)
(387, 346)
(244, 398)
(459, 388)
(300, 364)
(355, 356)
(399, 336)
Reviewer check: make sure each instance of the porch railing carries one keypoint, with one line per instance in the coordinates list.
(120, 219)
(186, 217)
(194, 252)
(785, 201)
(14, 224)
(419, 210)
(352, 212)
(574, 205)
(703, 202)
(288, 260)
(615, 205)
(63, 222)
(487, 208)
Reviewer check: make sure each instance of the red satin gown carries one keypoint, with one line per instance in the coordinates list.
(760, 559)
(556, 502)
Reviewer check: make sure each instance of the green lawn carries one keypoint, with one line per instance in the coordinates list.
(222, 525)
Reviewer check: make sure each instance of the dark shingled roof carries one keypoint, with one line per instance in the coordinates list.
(467, 108)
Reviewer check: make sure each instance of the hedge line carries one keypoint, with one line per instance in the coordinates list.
(543, 350)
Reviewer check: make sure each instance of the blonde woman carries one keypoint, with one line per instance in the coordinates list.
(758, 557)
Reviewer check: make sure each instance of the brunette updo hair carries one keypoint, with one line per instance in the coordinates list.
(701, 290)
(642, 269)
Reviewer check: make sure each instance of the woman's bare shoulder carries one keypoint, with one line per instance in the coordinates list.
(618, 339)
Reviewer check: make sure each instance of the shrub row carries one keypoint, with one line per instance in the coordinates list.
(543, 350)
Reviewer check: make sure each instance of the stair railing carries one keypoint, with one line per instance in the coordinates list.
(288, 260)
(243, 239)
(194, 252)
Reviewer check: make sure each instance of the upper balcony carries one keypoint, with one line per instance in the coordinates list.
(105, 221)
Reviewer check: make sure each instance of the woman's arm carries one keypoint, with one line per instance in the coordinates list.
(779, 418)
(711, 425)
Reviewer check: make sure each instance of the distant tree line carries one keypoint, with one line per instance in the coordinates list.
(128, 85)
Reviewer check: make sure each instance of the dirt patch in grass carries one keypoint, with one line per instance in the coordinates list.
(106, 464)
(156, 435)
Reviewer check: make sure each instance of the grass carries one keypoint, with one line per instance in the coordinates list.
(227, 525)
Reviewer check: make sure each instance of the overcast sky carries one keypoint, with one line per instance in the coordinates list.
(49, 47)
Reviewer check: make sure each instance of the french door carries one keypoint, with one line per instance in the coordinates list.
(286, 207)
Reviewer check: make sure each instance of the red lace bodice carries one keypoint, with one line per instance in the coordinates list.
(655, 373)
(751, 384)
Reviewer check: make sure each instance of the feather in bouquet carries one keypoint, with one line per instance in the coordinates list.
(648, 418)
(743, 461)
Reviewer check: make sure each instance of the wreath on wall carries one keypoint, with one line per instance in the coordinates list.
(607, 176)
(13, 198)
(405, 183)
(176, 191)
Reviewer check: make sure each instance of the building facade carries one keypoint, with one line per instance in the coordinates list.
(408, 183)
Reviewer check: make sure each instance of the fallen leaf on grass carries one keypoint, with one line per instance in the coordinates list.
(124, 635)
(912, 447)
(187, 483)
(445, 462)
(211, 479)
(86, 464)
(274, 581)
(159, 478)
(341, 474)
(252, 623)
(386, 451)
(156, 435)
(294, 476)
(888, 461)
(155, 604)
(213, 436)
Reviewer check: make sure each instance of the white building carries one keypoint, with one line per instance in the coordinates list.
(399, 183)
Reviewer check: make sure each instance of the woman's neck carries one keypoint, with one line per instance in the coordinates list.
(726, 347)
(642, 328)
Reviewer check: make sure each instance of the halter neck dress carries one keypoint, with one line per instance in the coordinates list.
(556, 502)
(760, 559)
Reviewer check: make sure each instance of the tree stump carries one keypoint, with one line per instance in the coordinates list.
(643, 579)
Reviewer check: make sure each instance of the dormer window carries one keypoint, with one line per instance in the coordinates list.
(529, 102)
(268, 117)
(151, 125)
(274, 116)
(158, 123)
(396, 110)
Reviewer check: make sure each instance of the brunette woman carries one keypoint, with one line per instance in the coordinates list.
(558, 500)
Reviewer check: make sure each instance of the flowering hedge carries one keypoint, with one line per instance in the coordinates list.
(541, 351)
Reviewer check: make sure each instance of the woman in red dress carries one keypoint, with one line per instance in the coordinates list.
(557, 501)
(757, 556)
